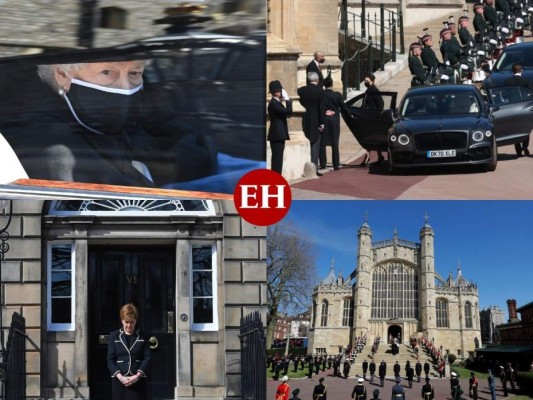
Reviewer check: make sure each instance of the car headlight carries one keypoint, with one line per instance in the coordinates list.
(477, 136)
(393, 138)
(488, 134)
(403, 139)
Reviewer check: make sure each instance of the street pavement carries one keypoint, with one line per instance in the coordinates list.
(339, 388)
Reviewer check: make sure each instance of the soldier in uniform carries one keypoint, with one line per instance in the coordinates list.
(489, 13)
(318, 361)
(365, 369)
(382, 372)
(473, 383)
(454, 383)
(295, 394)
(418, 370)
(396, 368)
(492, 385)
(416, 67)
(398, 391)
(428, 393)
(336, 367)
(372, 370)
(311, 367)
(428, 56)
(464, 34)
(480, 25)
(359, 390)
(453, 28)
(319, 392)
(410, 376)
(449, 51)
(426, 369)
(346, 369)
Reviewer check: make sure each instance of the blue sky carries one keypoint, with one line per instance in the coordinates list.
(492, 240)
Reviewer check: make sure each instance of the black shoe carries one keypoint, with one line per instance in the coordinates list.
(319, 173)
(526, 152)
(336, 168)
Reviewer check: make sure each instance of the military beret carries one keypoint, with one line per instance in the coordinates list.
(415, 45)
(464, 17)
(478, 5)
(426, 38)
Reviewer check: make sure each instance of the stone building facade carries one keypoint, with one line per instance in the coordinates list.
(194, 268)
(395, 291)
(490, 318)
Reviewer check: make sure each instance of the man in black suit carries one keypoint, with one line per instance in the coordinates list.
(314, 66)
(518, 80)
(278, 132)
(312, 99)
(382, 372)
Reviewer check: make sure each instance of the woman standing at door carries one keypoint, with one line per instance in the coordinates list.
(128, 356)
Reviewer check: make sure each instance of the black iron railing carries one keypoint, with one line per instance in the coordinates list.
(253, 358)
(13, 363)
(370, 40)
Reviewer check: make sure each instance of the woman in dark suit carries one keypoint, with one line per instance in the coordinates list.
(128, 356)
(332, 128)
(278, 132)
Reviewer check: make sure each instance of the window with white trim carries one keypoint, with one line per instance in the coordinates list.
(204, 287)
(61, 290)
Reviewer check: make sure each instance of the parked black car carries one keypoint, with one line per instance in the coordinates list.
(517, 53)
(443, 125)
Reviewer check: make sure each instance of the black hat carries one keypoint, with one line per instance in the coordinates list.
(426, 37)
(321, 380)
(274, 86)
(296, 391)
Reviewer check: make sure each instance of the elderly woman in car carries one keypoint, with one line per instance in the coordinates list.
(84, 122)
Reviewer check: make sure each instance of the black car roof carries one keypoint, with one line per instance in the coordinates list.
(459, 88)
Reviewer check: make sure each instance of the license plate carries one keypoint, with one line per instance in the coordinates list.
(440, 153)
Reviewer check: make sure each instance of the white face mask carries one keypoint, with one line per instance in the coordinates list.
(100, 109)
(126, 92)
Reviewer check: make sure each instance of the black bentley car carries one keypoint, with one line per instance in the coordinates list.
(444, 125)
(518, 53)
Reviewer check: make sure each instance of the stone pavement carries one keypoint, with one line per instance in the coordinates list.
(339, 388)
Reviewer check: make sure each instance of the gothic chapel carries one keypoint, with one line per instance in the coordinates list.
(395, 291)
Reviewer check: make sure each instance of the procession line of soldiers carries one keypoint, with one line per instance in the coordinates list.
(492, 25)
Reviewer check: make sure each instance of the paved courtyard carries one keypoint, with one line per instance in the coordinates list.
(339, 388)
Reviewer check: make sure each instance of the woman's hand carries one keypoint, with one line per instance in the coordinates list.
(133, 379)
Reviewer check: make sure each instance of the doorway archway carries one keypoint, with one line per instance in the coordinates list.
(394, 331)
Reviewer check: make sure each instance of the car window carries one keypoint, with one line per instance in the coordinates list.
(508, 58)
(509, 95)
(440, 104)
(171, 103)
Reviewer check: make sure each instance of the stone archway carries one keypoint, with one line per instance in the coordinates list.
(394, 331)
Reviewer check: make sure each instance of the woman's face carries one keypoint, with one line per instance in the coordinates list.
(129, 325)
(119, 75)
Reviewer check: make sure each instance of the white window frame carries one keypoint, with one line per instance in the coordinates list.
(211, 326)
(61, 326)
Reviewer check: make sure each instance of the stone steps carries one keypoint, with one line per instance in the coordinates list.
(384, 354)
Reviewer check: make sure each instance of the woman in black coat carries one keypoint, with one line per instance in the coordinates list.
(334, 103)
(128, 356)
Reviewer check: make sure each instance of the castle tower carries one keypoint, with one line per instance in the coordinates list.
(363, 280)
(427, 279)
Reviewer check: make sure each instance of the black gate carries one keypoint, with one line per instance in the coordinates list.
(253, 358)
(13, 366)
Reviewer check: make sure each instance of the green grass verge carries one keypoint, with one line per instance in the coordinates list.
(298, 374)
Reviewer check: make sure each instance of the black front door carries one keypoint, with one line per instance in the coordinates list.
(144, 276)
